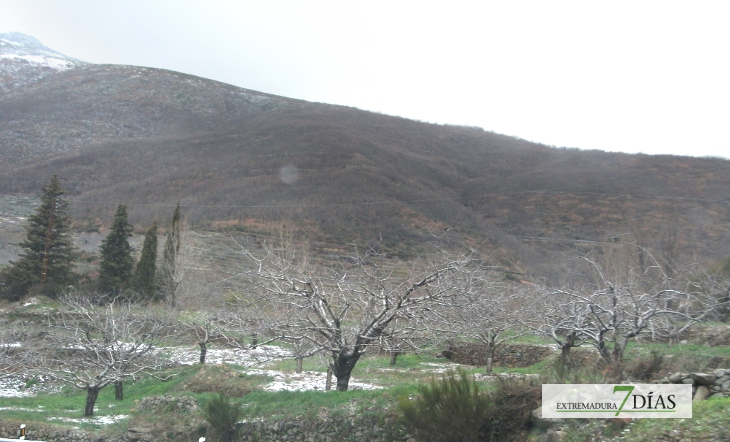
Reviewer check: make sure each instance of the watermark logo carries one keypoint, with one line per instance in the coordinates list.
(603, 401)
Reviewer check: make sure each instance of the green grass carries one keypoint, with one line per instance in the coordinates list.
(69, 403)
(287, 404)
(399, 380)
(710, 420)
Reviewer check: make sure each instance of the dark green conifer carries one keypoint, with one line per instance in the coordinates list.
(115, 274)
(168, 277)
(48, 253)
(145, 277)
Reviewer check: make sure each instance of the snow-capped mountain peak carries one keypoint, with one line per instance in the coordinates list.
(24, 60)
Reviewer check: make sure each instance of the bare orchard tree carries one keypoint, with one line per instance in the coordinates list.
(624, 306)
(203, 327)
(557, 316)
(714, 282)
(491, 312)
(346, 307)
(409, 335)
(17, 353)
(616, 302)
(95, 346)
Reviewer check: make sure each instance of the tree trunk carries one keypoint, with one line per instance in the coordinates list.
(328, 383)
(343, 366)
(203, 351)
(490, 358)
(254, 341)
(394, 357)
(565, 357)
(618, 362)
(299, 364)
(119, 390)
(91, 394)
(725, 309)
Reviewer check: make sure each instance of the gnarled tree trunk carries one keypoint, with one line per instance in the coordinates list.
(92, 393)
(342, 368)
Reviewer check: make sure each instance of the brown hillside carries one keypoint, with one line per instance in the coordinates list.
(148, 138)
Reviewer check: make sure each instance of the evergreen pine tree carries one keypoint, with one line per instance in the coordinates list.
(115, 273)
(145, 278)
(48, 252)
(167, 275)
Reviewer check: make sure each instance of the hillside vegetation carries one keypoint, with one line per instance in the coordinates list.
(242, 161)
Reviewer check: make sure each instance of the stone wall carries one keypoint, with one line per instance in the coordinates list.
(507, 355)
(11, 430)
(704, 385)
(352, 428)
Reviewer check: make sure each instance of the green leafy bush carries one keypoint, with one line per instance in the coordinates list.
(222, 416)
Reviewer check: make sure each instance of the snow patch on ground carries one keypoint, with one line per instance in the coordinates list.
(304, 381)
(99, 420)
(249, 357)
(17, 385)
(263, 354)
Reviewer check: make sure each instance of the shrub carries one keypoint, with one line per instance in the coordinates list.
(453, 409)
(514, 400)
(222, 416)
(646, 367)
(450, 409)
(584, 369)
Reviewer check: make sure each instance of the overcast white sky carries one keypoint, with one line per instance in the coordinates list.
(632, 76)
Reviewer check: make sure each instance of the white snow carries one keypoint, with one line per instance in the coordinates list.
(100, 420)
(51, 62)
(244, 357)
(305, 381)
(10, 42)
(15, 386)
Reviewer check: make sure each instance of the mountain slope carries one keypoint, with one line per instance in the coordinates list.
(251, 161)
(95, 103)
(24, 60)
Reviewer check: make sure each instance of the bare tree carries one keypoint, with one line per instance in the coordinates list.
(559, 317)
(16, 355)
(346, 307)
(617, 301)
(204, 327)
(714, 282)
(99, 345)
(492, 313)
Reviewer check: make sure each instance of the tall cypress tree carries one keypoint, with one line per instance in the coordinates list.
(115, 274)
(168, 272)
(144, 276)
(48, 252)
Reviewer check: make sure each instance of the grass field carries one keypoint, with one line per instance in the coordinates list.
(64, 406)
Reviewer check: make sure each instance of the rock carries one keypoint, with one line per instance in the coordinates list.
(545, 423)
(688, 381)
(139, 434)
(703, 378)
(676, 378)
(701, 394)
